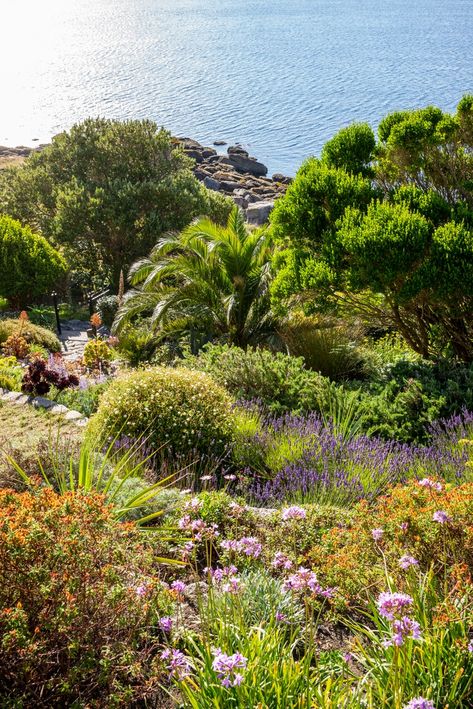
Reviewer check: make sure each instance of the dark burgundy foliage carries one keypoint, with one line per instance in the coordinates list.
(41, 375)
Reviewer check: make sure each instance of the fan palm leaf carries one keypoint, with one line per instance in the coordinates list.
(208, 279)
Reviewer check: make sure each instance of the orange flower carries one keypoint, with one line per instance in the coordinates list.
(23, 315)
(95, 320)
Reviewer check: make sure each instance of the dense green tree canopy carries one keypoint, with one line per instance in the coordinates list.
(105, 191)
(398, 247)
(29, 266)
(208, 280)
(352, 149)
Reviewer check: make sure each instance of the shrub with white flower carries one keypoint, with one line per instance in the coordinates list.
(176, 410)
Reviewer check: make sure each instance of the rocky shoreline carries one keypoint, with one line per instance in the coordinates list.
(236, 174)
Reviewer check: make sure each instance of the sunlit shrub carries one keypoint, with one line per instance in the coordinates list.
(434, 526)
(97, 354)
(33, 334)
(78, 596)
(177, 410)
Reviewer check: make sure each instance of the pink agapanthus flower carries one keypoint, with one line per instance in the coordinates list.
(227, 667)
(293, 512)
(177, 663)
(392, 605)
(441, 517)
(420, 703)
(407, 560)
(431, 484)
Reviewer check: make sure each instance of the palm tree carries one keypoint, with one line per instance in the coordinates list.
(208, 280)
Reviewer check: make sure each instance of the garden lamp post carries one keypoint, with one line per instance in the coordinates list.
(56, 312)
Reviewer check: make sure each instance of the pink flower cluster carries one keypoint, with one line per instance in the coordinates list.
(394, 606)
(226, 578)
(293, 512)
(250, 546)
(165, 623)
(193, 506)
(177, 663)
(377, 534)
(305, 580)
(402, 629)
(406, 561)
(420, 703)
(441, 517)
(198, 528)
(281, 561)
(178, 587)
(431, 484)
(227, 667)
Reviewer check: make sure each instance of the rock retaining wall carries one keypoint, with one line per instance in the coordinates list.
(40, 402)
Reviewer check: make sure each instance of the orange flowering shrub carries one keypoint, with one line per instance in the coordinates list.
(415, 526)
(78, 601)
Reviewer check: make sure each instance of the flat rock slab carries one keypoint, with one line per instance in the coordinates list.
(72, 415)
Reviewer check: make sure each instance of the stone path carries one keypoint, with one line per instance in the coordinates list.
(74, 338)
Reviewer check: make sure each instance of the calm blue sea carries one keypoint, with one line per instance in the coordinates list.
(279, 76)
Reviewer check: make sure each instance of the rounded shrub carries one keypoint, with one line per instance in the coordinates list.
(33, 334)
(177, 410)
(29, 266)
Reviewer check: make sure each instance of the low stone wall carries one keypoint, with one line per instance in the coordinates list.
(40, 402)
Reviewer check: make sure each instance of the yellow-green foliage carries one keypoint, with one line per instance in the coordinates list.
(178, 409)
(97, 353)
(33, 334)
(10, 373)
